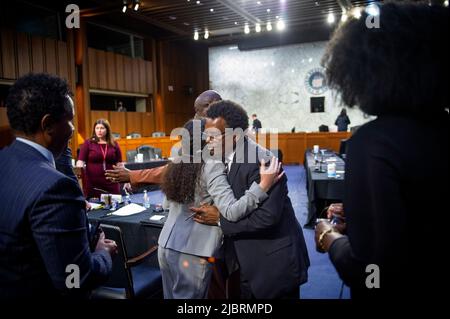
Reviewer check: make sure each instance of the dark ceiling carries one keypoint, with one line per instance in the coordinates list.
(305, 20)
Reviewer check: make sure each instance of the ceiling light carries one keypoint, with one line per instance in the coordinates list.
(344, 17)
(212, 10)
(268, 10)
(356, 13)
(196, 35)
(246, 29)
(269, 26)
(198, 2)
(281, 25)
(258, 2)
(235, 23)
(446, 3)
(206, 35)
(124, 8)
(330, 18)
(136, 5)
(257, 27)
(373, 10)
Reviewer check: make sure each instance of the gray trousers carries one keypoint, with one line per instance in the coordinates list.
(184, 276)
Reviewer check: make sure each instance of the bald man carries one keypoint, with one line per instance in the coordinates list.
(139, 178)
(203, 101)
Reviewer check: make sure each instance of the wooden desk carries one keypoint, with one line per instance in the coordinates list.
(294, 145)
(164, 143)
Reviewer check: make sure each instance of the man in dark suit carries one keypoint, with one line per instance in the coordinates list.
(256, 123)
(44, 248)
(268, 244)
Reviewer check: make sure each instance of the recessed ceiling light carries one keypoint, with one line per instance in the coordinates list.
(268, 10)
(172, 17)
(212, 10)
(258, 2)
(185, 23)
(198, 2)
(235, 22)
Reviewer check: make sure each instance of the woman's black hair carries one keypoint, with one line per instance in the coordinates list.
(181, 178)
(400, 66)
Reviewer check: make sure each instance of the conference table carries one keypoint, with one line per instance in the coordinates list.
(139, 231)
(146, 165)
(321, 189)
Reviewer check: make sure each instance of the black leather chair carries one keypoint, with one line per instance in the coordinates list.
(130, 156)
(131, 277)
(324, 128)
(148, 151)
(134, 135)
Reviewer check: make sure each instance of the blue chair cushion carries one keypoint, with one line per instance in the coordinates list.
(147, 281)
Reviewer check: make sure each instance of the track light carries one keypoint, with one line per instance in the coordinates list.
(246, 29)
(206, 35)
(269, 26)
(196, 35)
(125, 6)
(136, 5)
(257, 27)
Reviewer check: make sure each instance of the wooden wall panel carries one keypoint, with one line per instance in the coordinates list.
(101, 69)
(63, 60)
(128, 71)
(50, 56)
(135, 75)
(23, 54)
(148, 126)
(118, 123)
(92, 61)
(148, 77)
(37, 54)
(3, 117)
(134, 122)
(111, 79)
(120, 72)
(9, 69)
(142, 79)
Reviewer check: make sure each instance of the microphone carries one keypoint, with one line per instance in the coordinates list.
(101, 190)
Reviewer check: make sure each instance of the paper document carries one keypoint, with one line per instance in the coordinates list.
(128, 210)
(157, 217)
(95, 206)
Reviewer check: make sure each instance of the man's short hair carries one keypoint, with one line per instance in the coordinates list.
(32, 97)
(231, 112)
(254, 115)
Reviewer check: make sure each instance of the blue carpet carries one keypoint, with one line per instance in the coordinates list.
(323, 282)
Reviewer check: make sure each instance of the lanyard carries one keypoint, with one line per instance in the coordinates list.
(104, 155)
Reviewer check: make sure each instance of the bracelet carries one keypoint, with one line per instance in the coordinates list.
(322, 236)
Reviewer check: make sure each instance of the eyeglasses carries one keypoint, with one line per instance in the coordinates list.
(211, 136)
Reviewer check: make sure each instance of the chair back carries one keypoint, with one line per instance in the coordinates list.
(158, 134)
(115, 135)
(121, 275)
(134, 135)
(148, 152)
(131, 155)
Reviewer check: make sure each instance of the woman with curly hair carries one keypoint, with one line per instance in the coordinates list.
(398, 72)
(186, 248)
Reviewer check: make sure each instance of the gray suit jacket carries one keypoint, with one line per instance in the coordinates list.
(183, 234)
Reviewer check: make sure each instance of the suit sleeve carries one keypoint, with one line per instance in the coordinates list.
(381, 205)
(266, 216)
(220, 190)
(147, 176)
(59, 226)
